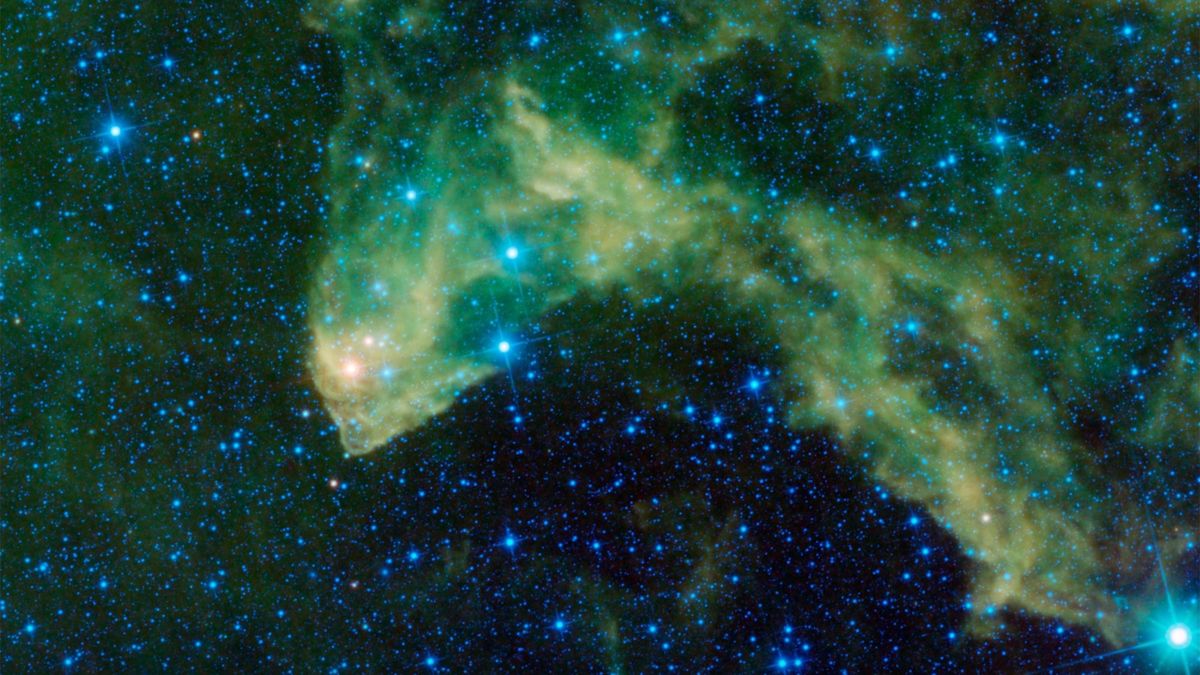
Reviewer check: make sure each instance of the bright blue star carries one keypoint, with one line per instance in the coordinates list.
(114, 131)
(1179, 636)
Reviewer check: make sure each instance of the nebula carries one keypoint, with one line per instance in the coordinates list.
(954, 276)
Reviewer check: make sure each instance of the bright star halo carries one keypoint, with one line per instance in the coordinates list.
(1179, 636)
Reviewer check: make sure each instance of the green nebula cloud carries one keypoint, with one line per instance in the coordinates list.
(948, 222)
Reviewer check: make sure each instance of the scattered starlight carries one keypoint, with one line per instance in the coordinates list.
(627, 337)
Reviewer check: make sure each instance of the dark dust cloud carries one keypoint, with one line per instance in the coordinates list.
(380, 336)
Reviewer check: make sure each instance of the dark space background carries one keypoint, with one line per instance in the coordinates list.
(174, 495)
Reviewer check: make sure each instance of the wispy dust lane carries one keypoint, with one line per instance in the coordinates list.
(960, 268)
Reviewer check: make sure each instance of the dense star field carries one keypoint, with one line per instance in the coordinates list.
(621, 336)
